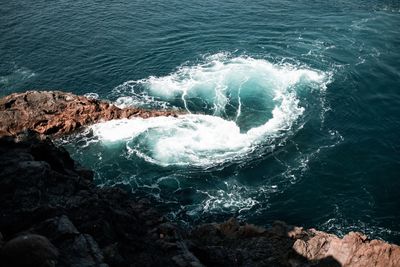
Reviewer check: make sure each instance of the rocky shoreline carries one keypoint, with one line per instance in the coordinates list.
(52, 214)
(53, 113)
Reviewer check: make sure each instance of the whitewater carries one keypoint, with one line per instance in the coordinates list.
(230, 92)
(288, 110)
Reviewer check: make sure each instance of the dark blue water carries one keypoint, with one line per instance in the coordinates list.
(300, 103)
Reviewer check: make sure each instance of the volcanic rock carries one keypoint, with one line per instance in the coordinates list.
(42, 193)
(354, 249)
(233, 244)
(29, 250)
(52, 213)
(56, 112)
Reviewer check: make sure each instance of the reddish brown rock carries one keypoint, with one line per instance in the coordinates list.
(354, 249)
(43, 192)
(56, 112)
(233, 244)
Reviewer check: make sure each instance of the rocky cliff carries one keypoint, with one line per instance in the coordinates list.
(51, 214)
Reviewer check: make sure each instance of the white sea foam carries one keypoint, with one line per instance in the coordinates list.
(19, 75)
(203, 140)
(188, 139)
(92, 95)
(219, 75)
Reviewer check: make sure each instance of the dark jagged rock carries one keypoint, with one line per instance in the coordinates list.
(56, 112)
(88, 225)
(232, 244)
(29, 250)
(45, 196)
(51, 212)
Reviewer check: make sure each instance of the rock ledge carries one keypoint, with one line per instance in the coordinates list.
(56, 113)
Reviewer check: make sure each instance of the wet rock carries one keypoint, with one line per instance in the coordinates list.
(56, 112)
(29, 250)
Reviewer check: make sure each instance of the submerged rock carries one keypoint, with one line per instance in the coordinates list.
(56, 112)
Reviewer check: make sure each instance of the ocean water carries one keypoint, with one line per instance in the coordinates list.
(292, 107)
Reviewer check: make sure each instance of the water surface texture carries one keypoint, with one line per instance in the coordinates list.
(292, 107)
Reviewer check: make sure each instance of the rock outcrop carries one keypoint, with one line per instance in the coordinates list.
(50, 208)
(354, 249)
(44, 193)
(51, 213)
(230, 243)
(29, 250)
(56, 112)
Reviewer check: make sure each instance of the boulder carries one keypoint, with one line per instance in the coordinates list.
(29, 251)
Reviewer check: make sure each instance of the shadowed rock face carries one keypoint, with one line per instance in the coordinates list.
(49, 198)
(51, 212)
(43, 192)
(293, 246)
(29, 250)
(56, 113)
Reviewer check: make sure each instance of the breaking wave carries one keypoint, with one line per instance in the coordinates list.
(247, 105)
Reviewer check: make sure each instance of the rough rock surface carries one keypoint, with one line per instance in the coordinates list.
(55, 112)
(49, 198)
(29, 250)
(43, 192)
(51, 214)
(249, 245)
(353, 250)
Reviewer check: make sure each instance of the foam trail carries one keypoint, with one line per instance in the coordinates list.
(184, 101)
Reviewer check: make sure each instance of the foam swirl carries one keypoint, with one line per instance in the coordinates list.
(249, 103)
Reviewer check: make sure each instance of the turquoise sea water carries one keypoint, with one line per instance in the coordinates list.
(293, 106)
